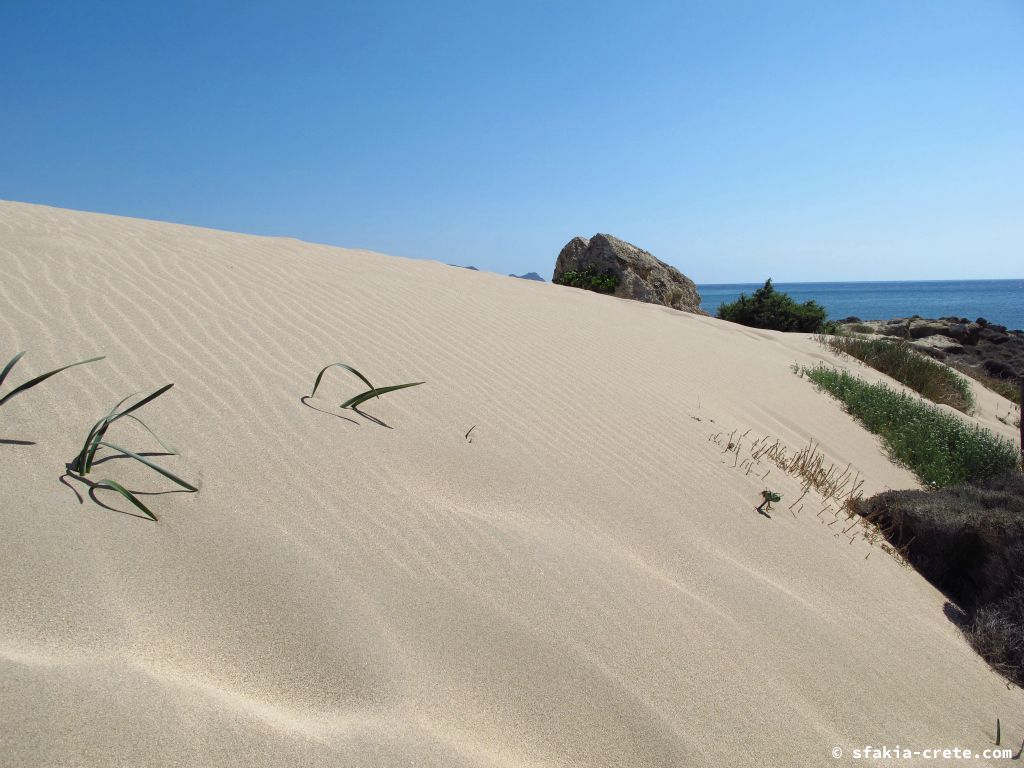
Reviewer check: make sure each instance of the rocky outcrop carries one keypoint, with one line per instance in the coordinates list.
(635, 274)
(529, 276)
(981, 344)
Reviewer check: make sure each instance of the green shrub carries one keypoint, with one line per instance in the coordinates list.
(938, 447)
(967, 540)
(897, 359)
(768, 308)
(589, 279)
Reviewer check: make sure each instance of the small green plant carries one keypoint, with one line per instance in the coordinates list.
(940, 448)
(37, 380)
(935, 381)
(768, 308)
(357, 400)
(82, 464)
(589, 279)
(769, 498)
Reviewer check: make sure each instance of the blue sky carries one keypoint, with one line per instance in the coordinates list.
(812, 140)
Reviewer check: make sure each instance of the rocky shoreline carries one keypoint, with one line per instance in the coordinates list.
(991, 348)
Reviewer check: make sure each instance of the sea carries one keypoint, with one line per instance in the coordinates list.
(998, 301)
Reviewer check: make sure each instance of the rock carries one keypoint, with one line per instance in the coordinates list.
(965, 333)
(529, 276)
(938, 346)
(921, 329)
(640, 276)
(898, 327)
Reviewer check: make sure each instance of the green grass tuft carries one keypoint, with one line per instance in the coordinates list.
(933, 380)
(940, 448)
(83, 462)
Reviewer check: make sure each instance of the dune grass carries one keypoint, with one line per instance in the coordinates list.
(357, 400)
(1008, 388)
(938, 447)
(83, 463)
(930, 378)
(37, 380)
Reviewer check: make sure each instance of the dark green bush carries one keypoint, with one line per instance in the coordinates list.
(967, 540)
(589, 279)
(768, 308)
(938, 447)
(897, 359)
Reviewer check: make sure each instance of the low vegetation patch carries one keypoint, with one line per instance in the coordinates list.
(937, 446)
(776, 311)
(1008, 388)
(589, 279)
(933, 380)
(967, 540)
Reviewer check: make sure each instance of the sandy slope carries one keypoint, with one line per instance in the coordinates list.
(585, 583)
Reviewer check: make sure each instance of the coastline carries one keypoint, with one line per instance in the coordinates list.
(998, 301)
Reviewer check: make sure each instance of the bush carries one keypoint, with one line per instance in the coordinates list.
(967, 540)
(997, 633)
(938, 447)
(589, 279)
(897, 359)
(768, 308)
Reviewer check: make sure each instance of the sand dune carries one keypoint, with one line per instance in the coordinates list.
(585, 583)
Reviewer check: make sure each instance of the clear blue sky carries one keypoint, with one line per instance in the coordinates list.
(813, 140)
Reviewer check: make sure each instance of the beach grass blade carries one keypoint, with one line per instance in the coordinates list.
(38, 379)
(10, 365)
(115, 486)
(83, 463)
(359, 399)
(169, 475)
(348, 368)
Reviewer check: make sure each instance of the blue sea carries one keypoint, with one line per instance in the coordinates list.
(998, 301)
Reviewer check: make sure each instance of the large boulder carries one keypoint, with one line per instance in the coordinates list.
(636, 273)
